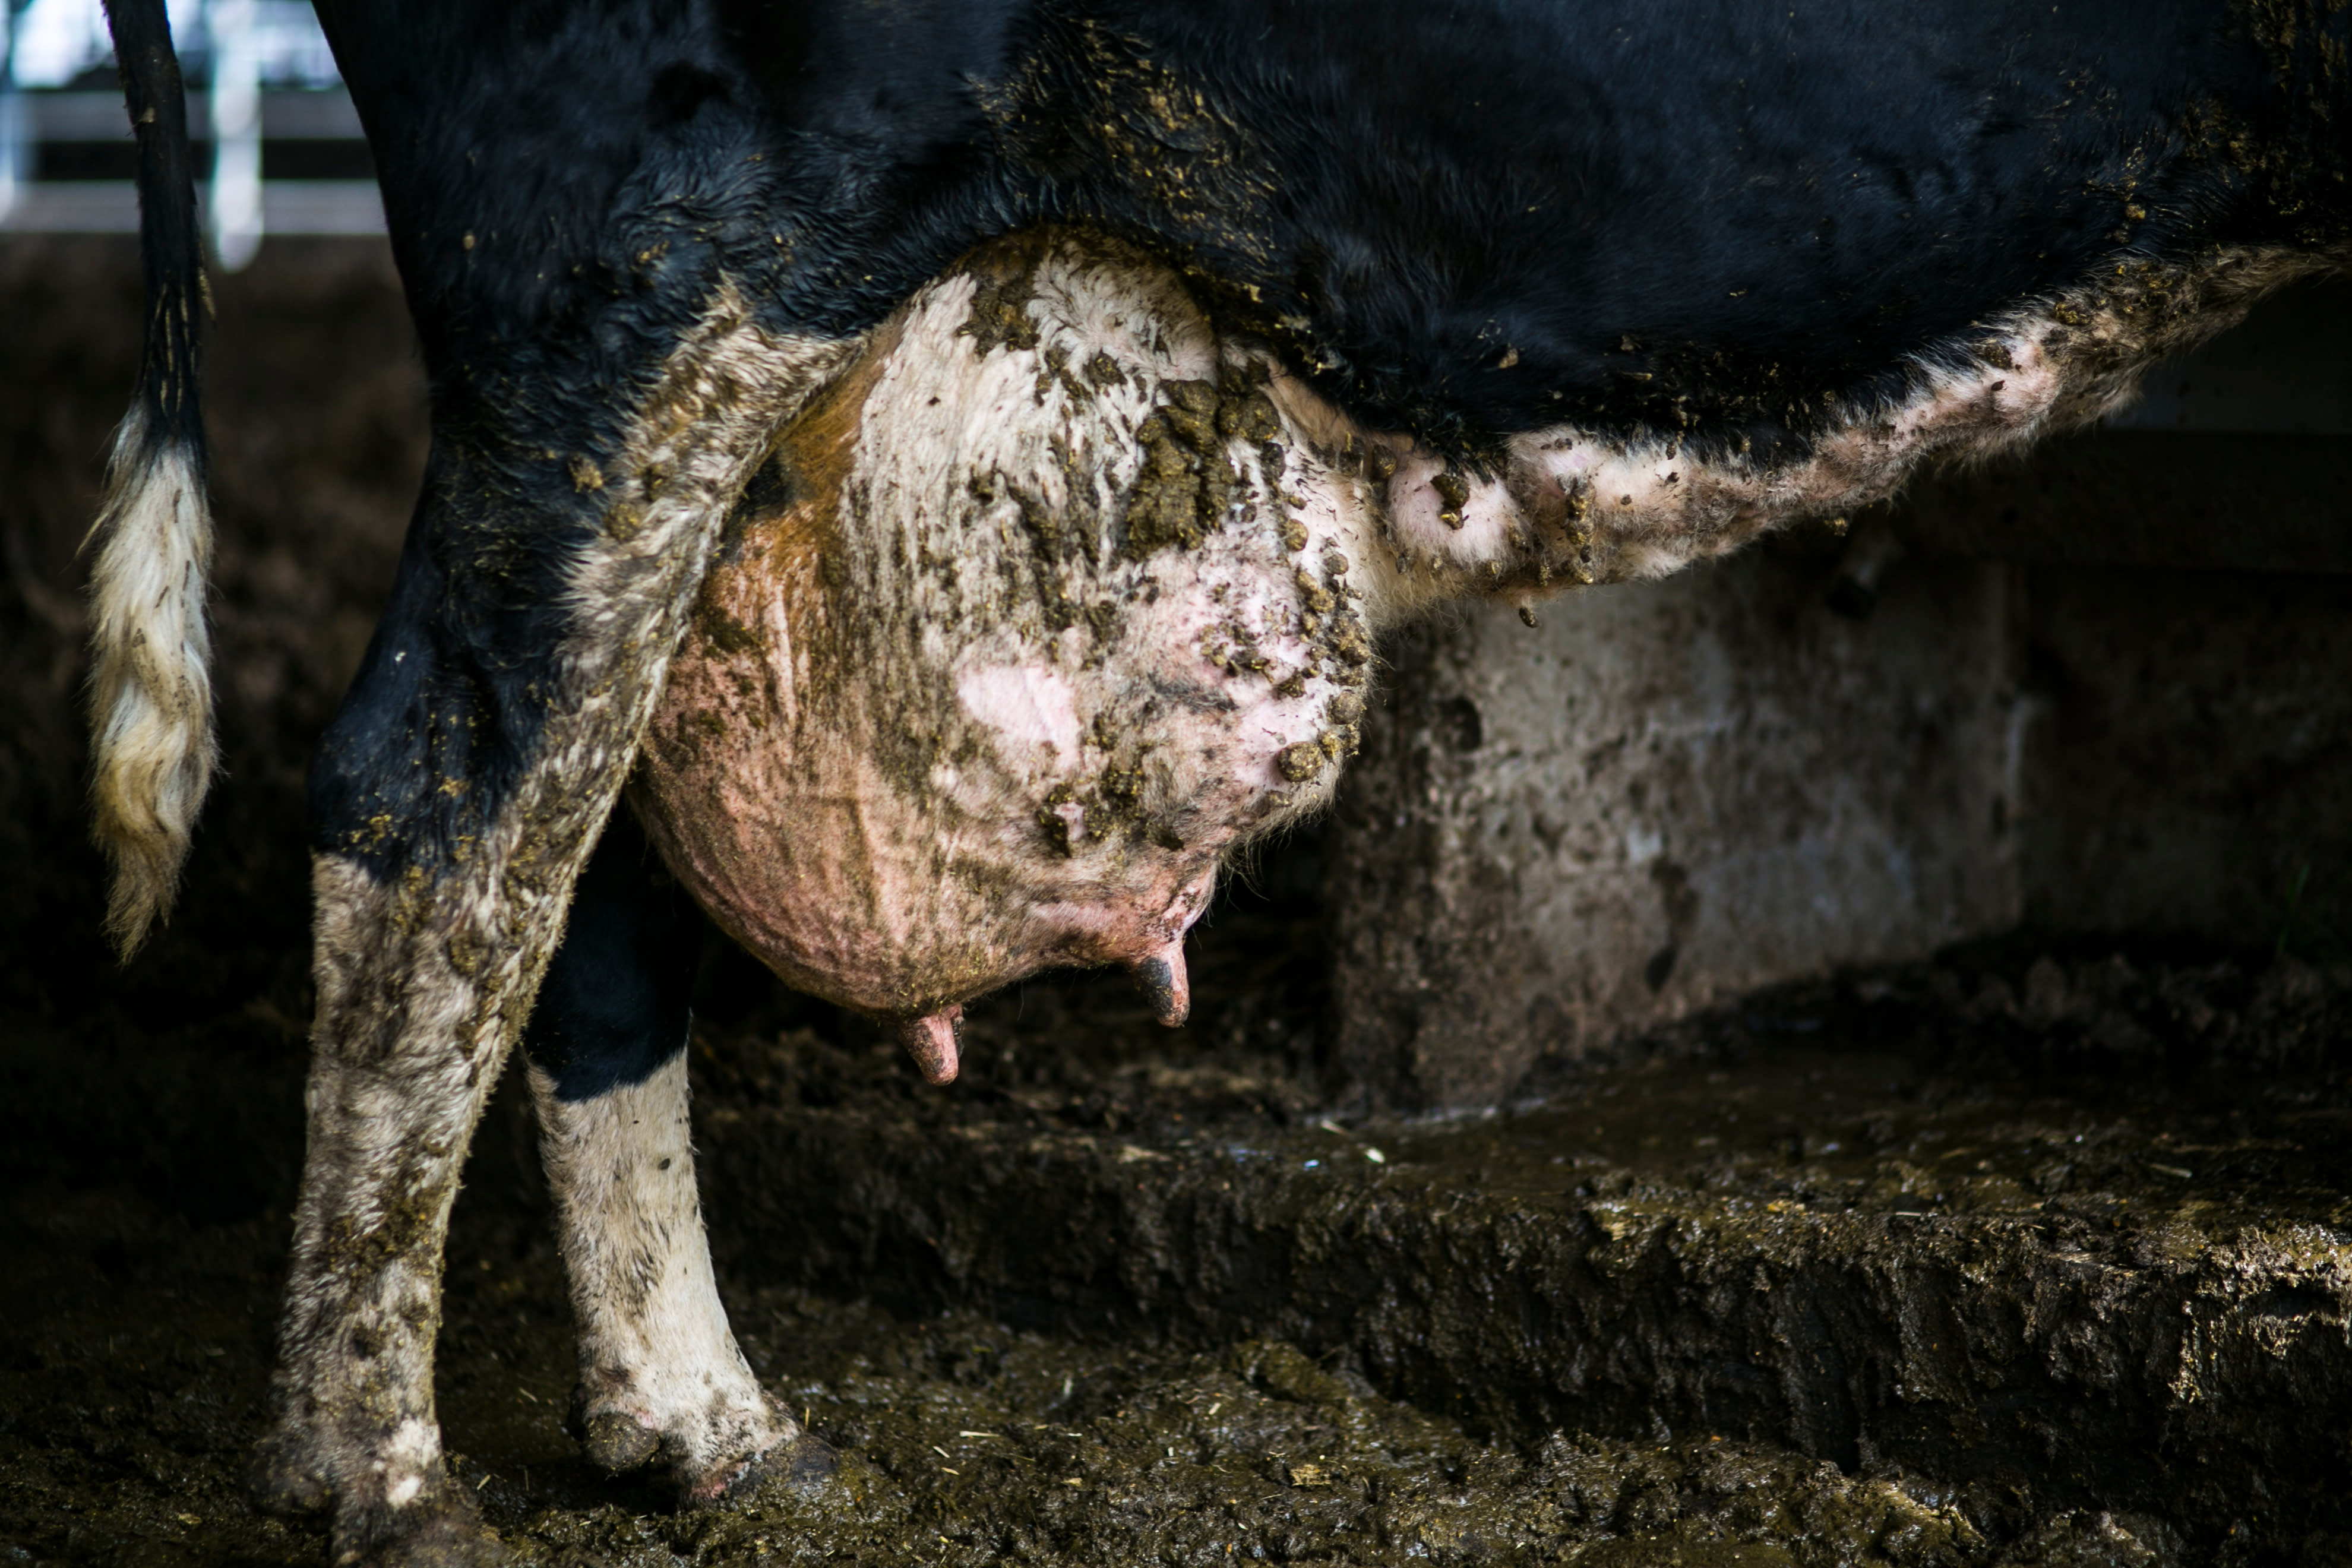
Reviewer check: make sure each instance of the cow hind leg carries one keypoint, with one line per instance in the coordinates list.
(457, 798)
(404, 1057)
(661, 1378)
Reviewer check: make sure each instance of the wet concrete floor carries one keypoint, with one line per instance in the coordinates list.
(2026, 1257)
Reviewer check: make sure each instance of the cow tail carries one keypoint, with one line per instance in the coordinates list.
(150, 683)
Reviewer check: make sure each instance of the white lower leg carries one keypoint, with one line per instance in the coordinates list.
(659, 1371)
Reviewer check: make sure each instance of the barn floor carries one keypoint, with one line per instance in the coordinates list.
(1069, 1311)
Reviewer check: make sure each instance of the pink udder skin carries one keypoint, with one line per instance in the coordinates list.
(944, 721)
(938, 725)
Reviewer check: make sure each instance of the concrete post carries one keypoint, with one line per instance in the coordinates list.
(1670, 793)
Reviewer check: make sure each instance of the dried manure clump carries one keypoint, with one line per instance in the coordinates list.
(1187, 482)
(128, 1412)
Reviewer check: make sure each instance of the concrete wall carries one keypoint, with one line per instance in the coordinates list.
(1668, 793)
(2189, 764)
(2109, 687)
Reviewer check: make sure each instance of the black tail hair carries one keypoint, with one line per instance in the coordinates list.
(151, 686)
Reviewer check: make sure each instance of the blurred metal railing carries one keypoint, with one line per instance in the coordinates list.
(244, 51)
(240, 206)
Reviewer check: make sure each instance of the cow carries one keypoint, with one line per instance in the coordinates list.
(948, 464)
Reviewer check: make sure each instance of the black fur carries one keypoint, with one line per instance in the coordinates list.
(168, 240)
(612, 1009)
(1708, 217)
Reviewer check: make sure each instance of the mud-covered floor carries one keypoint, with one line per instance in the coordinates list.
(146, 1209)
(964, 1443)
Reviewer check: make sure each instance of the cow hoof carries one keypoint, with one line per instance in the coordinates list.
(614, 1441)
(281, 1483)
(804, 1463)
(444, 1534)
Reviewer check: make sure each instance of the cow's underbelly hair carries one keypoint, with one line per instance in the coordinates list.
(1597, 509)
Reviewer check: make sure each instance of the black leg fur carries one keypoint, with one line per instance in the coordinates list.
(613, 1009)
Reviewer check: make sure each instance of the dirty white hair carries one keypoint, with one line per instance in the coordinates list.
(153, 751)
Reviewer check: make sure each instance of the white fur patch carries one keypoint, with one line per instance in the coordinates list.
(653, 1337)
(424, 981)
(998, 691)
(1572, 507)
(150, 683)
